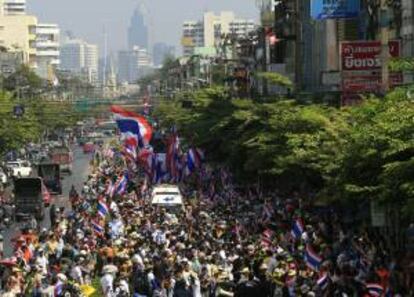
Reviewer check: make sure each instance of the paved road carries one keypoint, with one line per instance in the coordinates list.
(80, 172)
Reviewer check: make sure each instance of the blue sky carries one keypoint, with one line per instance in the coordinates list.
(87, 18)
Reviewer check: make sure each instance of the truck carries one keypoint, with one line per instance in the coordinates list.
(63, 156)
(50, 174)
(30, 198)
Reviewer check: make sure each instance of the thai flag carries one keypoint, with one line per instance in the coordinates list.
(297, 229)
(97, 228)
(267, 238)
(375, 290)
(313, 261)
(58, 289)
(121, 185)
(134, 128)
(194, 159)
(130, 152)
(323, 281)
(103, 209)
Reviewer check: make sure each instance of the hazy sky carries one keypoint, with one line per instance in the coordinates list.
(87, 18)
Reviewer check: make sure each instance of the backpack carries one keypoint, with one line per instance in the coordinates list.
(141, 283)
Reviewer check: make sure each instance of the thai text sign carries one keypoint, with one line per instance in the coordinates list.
(334, 9)
(365, 55)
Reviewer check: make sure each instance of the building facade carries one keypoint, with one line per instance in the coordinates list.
(209, 31)
(47, 50)
(14, 7)
(138, 29)
(18, 34)
(407, 30)
(80, 58)
(160, 51)
(133, 64)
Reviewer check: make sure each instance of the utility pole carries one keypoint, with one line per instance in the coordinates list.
(385, 50)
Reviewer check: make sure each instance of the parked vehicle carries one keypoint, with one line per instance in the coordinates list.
(50, 173)
(19, 168)
(30, 198)
(63, 156)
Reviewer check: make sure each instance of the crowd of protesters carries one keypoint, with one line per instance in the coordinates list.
(223, 243)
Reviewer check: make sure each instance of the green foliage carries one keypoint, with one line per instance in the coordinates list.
(360, 152)
(39, 115)
(275, 79)
(401, 64)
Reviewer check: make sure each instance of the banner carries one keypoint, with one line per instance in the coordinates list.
(361, 66)
(334, 9)
(365, 55)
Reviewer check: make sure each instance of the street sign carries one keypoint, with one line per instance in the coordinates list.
(365, 55)
(362, 64)
(334, 9)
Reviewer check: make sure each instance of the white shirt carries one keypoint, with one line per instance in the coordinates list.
(76, 274)
(107, 284)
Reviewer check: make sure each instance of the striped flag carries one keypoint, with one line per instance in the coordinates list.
(97, 228)
(103, 209)
(121, 185)
(267, 238)
(313, 260)
(323, 281)
(297, 229)
(108, 153)
(375, 290)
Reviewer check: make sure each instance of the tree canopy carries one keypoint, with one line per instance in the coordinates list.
(359, 152)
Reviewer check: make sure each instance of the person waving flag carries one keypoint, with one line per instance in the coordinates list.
(135, 129)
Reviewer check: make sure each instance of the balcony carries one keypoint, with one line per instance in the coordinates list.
(48, 53)
(47, 43)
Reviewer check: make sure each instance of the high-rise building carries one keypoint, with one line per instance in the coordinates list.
(138, 29)
(208, 31)
(133, 64)
(160, 51)
(14, 7)
(407, 30)
(80, 58)
(18, 34)
(48, 49)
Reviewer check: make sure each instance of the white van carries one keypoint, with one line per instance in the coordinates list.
(168, 196)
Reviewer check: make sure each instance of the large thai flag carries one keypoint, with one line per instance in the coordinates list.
(297, 229)
(103, 209)
(134, 128)
(375, 290)
(313, 261)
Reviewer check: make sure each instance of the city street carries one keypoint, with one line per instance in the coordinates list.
(80, 172)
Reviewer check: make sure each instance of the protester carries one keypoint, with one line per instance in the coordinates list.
(225, 243)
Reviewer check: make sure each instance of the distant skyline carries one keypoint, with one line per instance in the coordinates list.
(88, 18)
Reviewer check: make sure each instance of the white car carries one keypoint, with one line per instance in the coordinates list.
(3, 177)
(168, 196)
(19, 168)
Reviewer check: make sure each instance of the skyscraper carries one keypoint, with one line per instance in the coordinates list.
(138, 29)
(160, 51)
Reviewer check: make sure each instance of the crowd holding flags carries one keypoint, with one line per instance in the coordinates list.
(171, 166)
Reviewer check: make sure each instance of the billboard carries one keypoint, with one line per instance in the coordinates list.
(361, 66)
(334, 9)
(365, 55)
